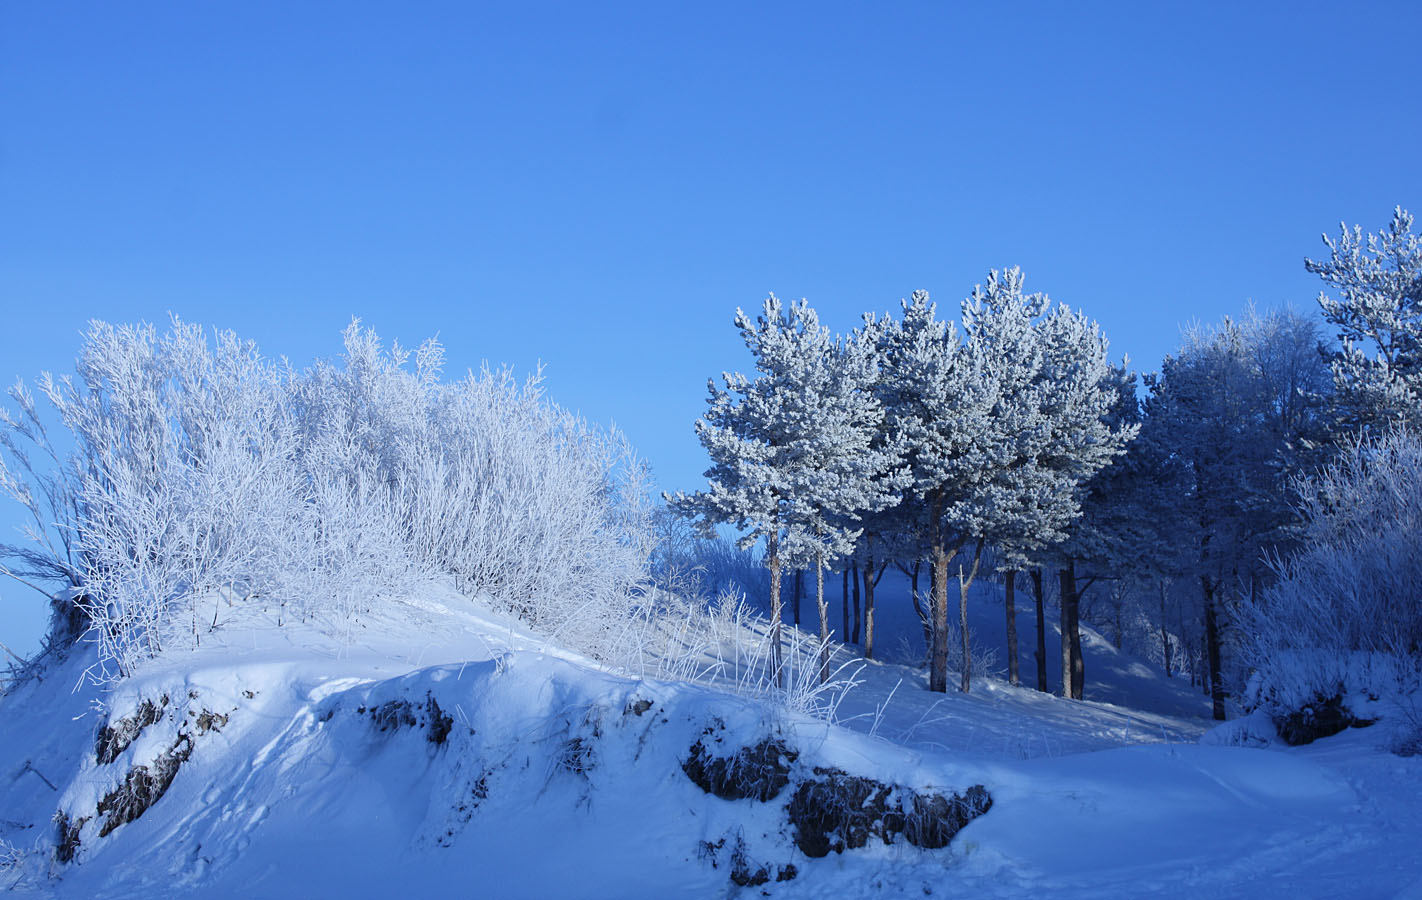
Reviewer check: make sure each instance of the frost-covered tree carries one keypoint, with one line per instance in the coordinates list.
(1113, 525)
(1000, 428)
(873, 492)
(1239, 409)
(1378, 313)
(1055, 411)
(847, 468)
(937, 398)
(775, 447)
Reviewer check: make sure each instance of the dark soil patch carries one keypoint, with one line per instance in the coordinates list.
(936, 818)
(1323, 717)
(116, 736)
(207, 720)
(396, 714)
(143, 786)
(839, 812)
(758, 772)
(66, 839)
(440, 722)
(745, 872)
(577, 756)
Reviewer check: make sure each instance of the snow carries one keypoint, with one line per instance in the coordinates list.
(549, 782)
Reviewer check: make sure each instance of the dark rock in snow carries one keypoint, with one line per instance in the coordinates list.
(838, 811)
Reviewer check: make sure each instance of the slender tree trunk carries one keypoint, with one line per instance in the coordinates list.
(856, 619)
(1009, 580)
(1040, 594)
(773, 555)
(823, 607)
(1072, 668)
(869, 583)
(963, 584)
(925, 616)
(1164, 635)
(1212, 647)
(938, 655)
(844, 633)
(799, 592)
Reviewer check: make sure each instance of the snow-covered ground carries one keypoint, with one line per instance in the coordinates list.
(448, 749)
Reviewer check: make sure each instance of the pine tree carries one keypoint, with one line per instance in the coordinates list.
(937, 399)
(846, 468)
(1379, 279)
(793, 455)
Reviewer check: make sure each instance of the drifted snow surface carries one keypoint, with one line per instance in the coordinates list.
(559, 778)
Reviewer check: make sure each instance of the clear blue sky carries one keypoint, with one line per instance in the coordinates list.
(598, 186)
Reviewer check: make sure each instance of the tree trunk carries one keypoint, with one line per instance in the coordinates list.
(799, 592)
(1212, 647)
(1164, 635)
(1039, 592)
(869, 582)
(1010, 603)
(923, 617)
(1073, 670)
(855, 620)
(938, 606)
(963, 584)
(823, 607)
(773, 556)
(844, 632)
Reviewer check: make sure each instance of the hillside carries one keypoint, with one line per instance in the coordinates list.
(449, 748)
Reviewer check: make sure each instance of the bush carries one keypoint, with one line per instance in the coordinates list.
(1344, 617)
(205, 476)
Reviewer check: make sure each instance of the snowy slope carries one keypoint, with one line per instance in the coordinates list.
(479, 759)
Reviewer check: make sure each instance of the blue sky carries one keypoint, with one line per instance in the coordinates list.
(599, 186)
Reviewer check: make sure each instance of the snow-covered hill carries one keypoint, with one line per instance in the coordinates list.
(451, 750)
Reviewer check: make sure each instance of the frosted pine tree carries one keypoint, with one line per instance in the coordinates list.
(1001, 429)
(849, 468)
(790, 449)
(1379, 280)
(937, 399)
(1048, 431)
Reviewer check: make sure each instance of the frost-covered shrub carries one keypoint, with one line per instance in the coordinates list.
(492, 485)
(1344, 617)
(205, 477)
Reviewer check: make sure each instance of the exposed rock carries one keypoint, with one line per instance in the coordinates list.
(837, 811)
